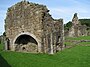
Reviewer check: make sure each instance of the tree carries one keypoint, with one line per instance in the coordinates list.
(67, 25)
(85, 22)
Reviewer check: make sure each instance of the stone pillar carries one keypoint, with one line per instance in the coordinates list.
(6, 45)
(39, 48)
(51, 44)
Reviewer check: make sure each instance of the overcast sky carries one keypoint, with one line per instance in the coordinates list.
(58, 9)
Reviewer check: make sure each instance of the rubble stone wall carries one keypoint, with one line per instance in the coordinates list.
(34, 20)
(77, 29)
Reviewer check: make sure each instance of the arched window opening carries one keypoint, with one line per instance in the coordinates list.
(26, 43)
(25, 39)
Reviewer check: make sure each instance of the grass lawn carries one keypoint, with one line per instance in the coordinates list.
(78, 38)
(68, 39)
(68, 43)
(85, 43)
(1, 47)
(78, 56)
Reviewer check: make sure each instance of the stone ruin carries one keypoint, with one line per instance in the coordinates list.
(30, 28)
(77, 29)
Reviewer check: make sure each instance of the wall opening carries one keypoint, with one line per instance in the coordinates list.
(8, 44)
(26, 43)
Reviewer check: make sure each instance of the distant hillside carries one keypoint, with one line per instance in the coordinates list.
(85, 22)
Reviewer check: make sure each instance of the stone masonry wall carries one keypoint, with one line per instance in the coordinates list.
(25, 18)
(77, 29)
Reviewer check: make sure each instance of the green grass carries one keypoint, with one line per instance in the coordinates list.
(1, 47)
(68, 43)
(84, 43)
(78, 38)
(78, 56)
(71, 39)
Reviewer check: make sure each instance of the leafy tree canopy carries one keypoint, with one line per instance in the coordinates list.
(85, 22)
(67, 25)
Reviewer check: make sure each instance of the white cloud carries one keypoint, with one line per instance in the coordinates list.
(66, 12)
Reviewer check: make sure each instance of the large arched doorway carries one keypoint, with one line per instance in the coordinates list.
(26, 43)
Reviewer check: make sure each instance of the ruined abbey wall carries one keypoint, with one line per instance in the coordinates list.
(30, 28)
(76, 29)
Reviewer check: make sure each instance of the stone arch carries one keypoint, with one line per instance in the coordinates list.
(30, 45)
